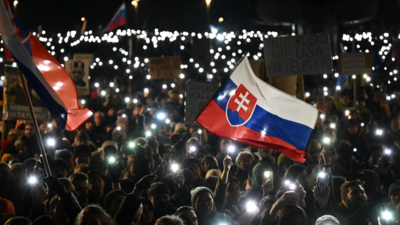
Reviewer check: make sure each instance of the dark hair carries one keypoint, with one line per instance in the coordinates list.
(45, 220)
(286, 215)
(78, 176)
(183, 209)
(95, 209)
(18, 220)
(210, 158)
(158, 188)
(344, 189)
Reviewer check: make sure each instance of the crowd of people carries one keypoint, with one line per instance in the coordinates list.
(135, 162)
(112, 171)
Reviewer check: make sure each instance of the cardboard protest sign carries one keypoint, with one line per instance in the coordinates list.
(15, 105)
(165, 67)
(297, 55)
(197, 96)
(82, 56)
(355, 63)
(78, 70)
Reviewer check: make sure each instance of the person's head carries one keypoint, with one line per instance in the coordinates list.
(57, 211)
(5, 174)
(353, 195)
(327, 219)
(89, 125)
(28, 167)
(111, 112)
(193, 165)
(245, 161)
(187, 215)
(169, 220)
(29, 130)
(110, 148)
(68, 186)
(147, 215)
(67, 157)
(370, 182)
(12, 135)
(82, 154)
(81, 184)
(98, 118)
(60, 168)
(16, 172)
(77, 71)
(209, 162)
(7, 207)
(360, 102)
(377, 96)
(113, 200)
(313, 151)
(233, 194)
(297, 172)
(224, 145)
(18, 220)
(82, 138)
(284, 162)
(202, 201)
(352, 126)
(395, 123)
(158, 195)
(344, 98)
(292, 215)
(94, 215)
(133, 165)
(96, 183)
(394, 193)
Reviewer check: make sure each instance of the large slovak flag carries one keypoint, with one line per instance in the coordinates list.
(250, 111)
(118, 20)
(47, 77)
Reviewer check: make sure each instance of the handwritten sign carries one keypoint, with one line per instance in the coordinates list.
(165, 67)
(355, 63)
(197, 96)
(298, 55)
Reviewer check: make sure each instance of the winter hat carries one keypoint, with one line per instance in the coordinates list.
(7, 157)
(321, 220)
(6, 207)
(82, 149)
(394, 187)
(197, 190)
(186, 162)
(281, 158)
(110, 197)
(16, 166)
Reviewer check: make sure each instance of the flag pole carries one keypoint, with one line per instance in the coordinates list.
(36, 127)
(194, 121)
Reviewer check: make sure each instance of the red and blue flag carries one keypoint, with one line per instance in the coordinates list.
(47, 77)
(250, 111)
(118, 20)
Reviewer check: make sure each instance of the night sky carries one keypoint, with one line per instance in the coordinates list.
(190, 15)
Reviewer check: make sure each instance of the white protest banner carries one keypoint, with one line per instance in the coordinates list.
(78, 70)
(297, 55)
(197, 96)
(15, 105)
(355, 63)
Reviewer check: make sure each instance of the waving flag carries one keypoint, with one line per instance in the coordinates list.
(47, 77)
(118, 19)
(248, 110)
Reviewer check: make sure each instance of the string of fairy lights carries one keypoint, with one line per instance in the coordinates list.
(225, 49)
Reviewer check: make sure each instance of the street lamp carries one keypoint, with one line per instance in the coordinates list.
(135, 4)
(208, 2)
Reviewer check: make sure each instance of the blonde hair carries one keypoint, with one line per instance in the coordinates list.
(98, 211)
